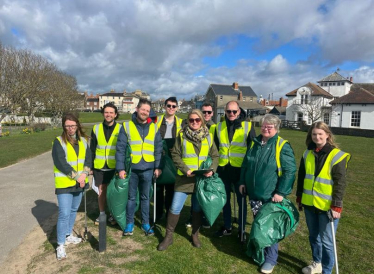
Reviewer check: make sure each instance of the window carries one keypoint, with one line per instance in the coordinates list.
(243, 98)
(326, 118)
(333, 84)
(356, 119)
(221, 97)
(251, 99)
(95, 103)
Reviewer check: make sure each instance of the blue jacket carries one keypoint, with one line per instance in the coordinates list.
(122, 143)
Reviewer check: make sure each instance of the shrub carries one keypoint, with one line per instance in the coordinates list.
(39, 127)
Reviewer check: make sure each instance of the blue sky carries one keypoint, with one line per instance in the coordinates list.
(179, 47)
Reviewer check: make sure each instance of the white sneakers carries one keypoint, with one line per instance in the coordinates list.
(314, 268)
(72, 240)
(60, 252)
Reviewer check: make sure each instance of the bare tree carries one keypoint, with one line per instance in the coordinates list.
(313, 107)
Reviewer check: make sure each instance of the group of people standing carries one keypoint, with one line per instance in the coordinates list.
(262, 168)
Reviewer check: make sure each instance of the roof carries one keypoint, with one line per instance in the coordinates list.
(278, 110)
(92, 99)
(115, 94)
(220, 89)
(246, 105)
(333, 77)
(359, 94)
(316, 91)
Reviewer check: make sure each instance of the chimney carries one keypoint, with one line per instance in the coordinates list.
(351, 79)
(281, 101)
(240, 97)
(235, 85)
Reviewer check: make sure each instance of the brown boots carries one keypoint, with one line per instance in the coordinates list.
(196, 223)
(170, 227)
(172, 222)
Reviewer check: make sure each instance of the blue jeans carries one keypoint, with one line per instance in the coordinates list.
(227, 207)
(143, 178)
(178, 202)
(68, 204)
(320, 238)
(271, 254)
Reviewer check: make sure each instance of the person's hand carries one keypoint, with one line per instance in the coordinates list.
(277, 198)
(208, 174)
(299, 204)
(189, 173)
(91, 172)
(242, 189)
(81, 180)
(122, 174)
(335, 215)
(157, 172)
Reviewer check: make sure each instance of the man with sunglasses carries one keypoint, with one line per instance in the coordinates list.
(232, 137)
(169, 125)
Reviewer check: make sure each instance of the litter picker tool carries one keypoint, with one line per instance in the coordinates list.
(331, 217)
(154, 206)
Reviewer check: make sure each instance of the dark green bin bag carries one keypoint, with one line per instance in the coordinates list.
(210, 193)
(118, 192)
(273, 223)
(169, 171)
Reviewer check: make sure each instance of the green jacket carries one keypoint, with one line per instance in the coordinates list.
(259, 170)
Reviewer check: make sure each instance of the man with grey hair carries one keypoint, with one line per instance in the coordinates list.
(232, 137)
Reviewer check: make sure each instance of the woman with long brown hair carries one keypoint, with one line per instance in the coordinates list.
(72, 161)
(320, 189)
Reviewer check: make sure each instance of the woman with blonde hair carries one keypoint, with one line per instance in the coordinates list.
(72, 161)
(193, 145)
(320, 189)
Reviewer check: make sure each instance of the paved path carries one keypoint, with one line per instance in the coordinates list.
(27, 191)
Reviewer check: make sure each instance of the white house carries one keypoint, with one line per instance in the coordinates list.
(308, 103)
(336, 100)
(355, 109)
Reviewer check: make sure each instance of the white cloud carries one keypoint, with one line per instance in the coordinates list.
(160, 46)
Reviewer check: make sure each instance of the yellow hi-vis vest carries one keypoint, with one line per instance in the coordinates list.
(212, 129)
(76, 162)
(189, 156)
(278, 148)
(233, 152)
(178, 122)
(139, 148)
(105, 151)
(318, 190)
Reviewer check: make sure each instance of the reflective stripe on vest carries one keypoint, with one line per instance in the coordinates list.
(233, 152)
(105, 151)
(139, 148)
(178, 122)
(76, 162)
(189, 156)
(278, 148)
(318, 190)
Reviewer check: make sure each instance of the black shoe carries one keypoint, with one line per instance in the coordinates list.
(223, 232)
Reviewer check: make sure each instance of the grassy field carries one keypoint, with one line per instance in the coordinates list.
(138, 254)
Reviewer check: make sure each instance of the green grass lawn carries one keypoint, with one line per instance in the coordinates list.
(138, 254)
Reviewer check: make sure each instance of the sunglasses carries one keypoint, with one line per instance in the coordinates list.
(233, 111)
(207, 112)
(171, 106)
(197, 120)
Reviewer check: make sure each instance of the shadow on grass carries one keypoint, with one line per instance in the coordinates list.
(42, 211)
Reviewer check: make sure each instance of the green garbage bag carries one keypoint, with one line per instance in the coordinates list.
(210, 193)
(272, 223)
(118, 192)
(169, 171)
